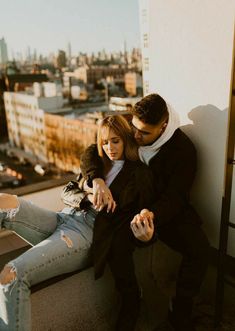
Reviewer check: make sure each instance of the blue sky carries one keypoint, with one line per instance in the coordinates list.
(90, 25)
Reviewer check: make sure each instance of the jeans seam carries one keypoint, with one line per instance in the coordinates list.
(32, 227)
(39, 266)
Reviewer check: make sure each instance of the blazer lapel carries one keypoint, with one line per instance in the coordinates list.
(121, 179)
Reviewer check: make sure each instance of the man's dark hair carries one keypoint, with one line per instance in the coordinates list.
(151, 109)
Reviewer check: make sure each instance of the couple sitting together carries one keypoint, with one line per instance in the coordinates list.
(134, 188)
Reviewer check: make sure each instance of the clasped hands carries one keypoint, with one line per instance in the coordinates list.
(142, 224)
(100, 195)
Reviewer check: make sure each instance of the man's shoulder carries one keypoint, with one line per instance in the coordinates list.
(180, 140)
(179, 146)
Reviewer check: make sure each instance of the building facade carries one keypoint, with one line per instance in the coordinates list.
(25, 122)
(35, 127)
(91, 75)
(66, 139)
(133, 83)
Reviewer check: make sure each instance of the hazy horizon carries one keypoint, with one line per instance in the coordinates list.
(49, 25)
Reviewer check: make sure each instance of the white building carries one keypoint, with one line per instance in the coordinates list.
(122, 104)
(47, 90)
(25, 120)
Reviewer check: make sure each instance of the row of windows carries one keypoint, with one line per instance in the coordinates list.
(20, 104)
(24, 116)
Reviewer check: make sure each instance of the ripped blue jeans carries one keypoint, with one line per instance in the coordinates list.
(61, 243)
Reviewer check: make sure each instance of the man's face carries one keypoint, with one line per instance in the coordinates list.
(146, 134)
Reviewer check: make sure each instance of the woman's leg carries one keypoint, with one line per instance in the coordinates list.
(66, 250)
(29, 221)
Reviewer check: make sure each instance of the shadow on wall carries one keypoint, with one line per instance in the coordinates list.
(209, 134)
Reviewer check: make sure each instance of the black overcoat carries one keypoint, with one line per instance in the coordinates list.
(173, 168)
(133, 190)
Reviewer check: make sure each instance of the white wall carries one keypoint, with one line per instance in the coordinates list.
(187, 45)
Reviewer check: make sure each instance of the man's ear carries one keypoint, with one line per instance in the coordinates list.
(164, 125)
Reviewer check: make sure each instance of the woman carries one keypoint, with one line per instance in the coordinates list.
(62, 241)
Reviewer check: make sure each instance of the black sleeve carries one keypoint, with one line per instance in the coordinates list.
(174, 198)
(146, 193)
(91, 164)
(144, 186)
(73, 194)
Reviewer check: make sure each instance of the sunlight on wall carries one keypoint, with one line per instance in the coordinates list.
(187, 59)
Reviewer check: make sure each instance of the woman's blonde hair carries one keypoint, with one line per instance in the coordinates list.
(122, 128)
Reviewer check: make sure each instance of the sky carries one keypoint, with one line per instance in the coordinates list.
(49, 25)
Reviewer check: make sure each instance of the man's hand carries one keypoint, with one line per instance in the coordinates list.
(102, 196)
(142, 225)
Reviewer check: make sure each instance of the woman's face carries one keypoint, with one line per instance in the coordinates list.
(113, 146)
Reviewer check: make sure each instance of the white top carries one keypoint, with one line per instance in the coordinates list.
(146, 153)
(116, 168)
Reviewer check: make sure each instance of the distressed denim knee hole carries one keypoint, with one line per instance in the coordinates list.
(8, 276)
(11, 212)
(66, 239)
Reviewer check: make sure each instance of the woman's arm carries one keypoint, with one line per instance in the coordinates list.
(92, 170)
(73, 194)
(91, 164)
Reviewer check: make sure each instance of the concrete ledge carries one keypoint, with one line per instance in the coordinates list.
(76, 303)
(81, 303)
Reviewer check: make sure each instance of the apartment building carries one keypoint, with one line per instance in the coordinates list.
(66, 138)
(25, 120)
(133, 83)
(90, 75)
(35, 126)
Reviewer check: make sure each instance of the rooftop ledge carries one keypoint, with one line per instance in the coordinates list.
(33, 188)
(41, 186)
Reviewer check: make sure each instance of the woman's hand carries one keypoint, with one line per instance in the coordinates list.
(142, 225)
(102, 196)
(90, 198)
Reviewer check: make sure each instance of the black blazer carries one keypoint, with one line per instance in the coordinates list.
(133, 190)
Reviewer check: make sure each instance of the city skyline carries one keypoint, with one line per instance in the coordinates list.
(48, 26)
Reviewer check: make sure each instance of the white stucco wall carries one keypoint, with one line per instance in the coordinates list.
(188, 45)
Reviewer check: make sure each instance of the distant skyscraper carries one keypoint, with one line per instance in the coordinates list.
(28, 54)
(69, 52)
(124, 47)
(3, 51)
(125, 52)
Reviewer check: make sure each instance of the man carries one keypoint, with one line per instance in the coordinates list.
(172, 158)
